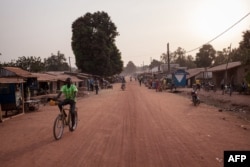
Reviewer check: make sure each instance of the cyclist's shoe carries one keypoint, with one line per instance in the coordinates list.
(73, 126)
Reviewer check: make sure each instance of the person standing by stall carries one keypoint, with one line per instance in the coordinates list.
(96, 85)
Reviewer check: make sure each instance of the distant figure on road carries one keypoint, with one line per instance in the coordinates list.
(96, 84)
(140, 80)
(222, 84)
(243, 87)
(123, 83)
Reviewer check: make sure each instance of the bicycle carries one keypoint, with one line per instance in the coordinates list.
(62, 120)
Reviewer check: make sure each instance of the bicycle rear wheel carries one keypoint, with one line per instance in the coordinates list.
(73, 127)
(58, 127)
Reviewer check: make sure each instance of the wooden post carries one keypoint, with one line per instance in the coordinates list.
(168, 58)
(226, 75)
(1, 113)
(22, 95)
(69, 65)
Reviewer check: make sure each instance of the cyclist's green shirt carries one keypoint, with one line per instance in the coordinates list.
(69, 92)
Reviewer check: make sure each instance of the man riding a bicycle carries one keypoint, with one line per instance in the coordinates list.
(70, 91)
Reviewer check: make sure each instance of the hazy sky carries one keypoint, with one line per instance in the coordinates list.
(42, 27)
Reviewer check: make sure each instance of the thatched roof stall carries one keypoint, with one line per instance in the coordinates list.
(12, 81)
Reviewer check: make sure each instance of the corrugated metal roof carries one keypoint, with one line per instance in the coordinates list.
(223, 66)
(194, 72)
(15, 71)
(43, 77)
(62, 77)
(82, 77)
(11, 80)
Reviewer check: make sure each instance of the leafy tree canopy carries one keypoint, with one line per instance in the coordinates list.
(93, 44)
(35, 64)
(243, 52)
(155, 63)
(205, 56)
(30, 63)
(221, 57)
(56, 62)
(190, 62)
(130, 68)
(179, 57)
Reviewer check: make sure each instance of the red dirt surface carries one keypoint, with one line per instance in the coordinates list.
(137, 127)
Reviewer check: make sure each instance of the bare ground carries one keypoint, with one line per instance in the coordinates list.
(137, 127)
(237, 104)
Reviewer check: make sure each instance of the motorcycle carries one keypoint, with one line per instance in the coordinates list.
(210, 86)
(195, 98)
(227, 89)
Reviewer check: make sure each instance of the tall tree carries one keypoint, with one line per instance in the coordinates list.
(243, 52)
(205, 56)
(56, 63)
(9, 64)
(32, 64)
(245, 43)
(190, 62)
(130, 68)
(93, 44)
(179, 57)
(155, 63)
(164, 58)
(221, 57)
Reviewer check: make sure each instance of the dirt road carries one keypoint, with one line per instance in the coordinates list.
(137, 127)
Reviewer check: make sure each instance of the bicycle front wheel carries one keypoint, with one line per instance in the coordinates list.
(58, 127)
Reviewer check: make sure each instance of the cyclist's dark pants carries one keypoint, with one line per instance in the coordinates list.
(96, 89)
(72, 104)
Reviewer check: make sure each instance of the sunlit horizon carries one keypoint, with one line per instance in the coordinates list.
(42, 28)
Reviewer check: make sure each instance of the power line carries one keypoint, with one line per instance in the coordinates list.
(221, 33)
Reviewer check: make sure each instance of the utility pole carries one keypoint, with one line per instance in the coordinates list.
(229, 51)
(69, 65)
(168, 58)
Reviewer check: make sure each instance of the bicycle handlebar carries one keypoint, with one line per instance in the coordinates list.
(53, 101)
